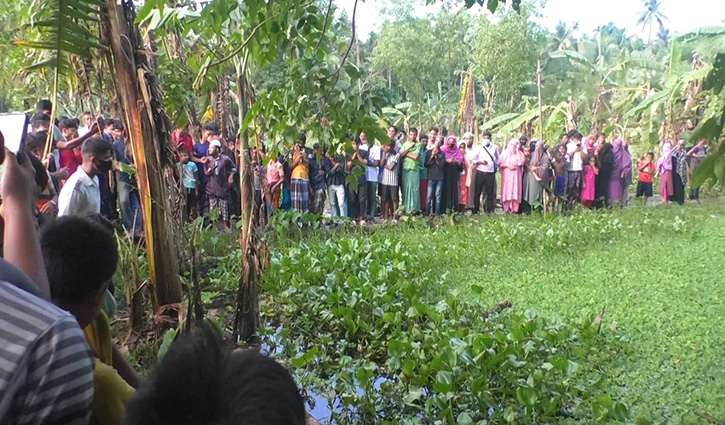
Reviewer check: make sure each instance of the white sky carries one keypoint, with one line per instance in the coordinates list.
(683, 15)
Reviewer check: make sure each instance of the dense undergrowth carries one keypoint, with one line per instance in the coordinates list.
(396, 323)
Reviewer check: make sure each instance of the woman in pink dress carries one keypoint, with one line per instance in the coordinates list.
(463, 181)
(664, 169)
(590, 173)
(512, 161)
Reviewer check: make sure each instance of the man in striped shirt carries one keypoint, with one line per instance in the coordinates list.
(46, 373)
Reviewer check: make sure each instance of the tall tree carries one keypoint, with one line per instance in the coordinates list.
(651, 14)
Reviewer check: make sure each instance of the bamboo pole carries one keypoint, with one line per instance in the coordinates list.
(541, 108)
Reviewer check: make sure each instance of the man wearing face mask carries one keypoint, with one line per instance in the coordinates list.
(81, 194)
(485, 160)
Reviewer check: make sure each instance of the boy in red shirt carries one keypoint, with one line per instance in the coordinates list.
(644, 180)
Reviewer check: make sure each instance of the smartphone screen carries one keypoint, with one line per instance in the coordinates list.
(14, 126)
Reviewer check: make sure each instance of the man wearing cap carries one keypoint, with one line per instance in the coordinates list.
(220, 169)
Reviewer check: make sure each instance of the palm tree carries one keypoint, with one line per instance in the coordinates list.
(652, 13)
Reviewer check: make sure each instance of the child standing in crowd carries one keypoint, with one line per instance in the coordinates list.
(275, 177)
(435, 160)
(463, 181)
(590, 172)
(219, 169)
(299, 177)
(389, 184)
(644, 179)
(189, 175)
(560, 163)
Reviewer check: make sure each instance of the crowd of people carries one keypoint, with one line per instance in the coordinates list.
(57, 361)
(432, 174)
(409, 173)
(58, 364)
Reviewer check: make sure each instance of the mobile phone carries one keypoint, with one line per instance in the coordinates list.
(13, 127)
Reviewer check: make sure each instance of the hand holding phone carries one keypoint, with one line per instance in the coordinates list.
(14, 128)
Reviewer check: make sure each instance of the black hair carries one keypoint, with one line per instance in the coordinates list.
(39, 119)
(211, 127)
(414, 130)
(302, 137)
(201, 383)
(423, 137)
(68, 123)
(87, 113)
(41, 176)
(44, 105)
(392, 143)
(35, 141)
(316, 146)
(575, 135)
(96, 146)
(393, 127)
(434, 128)
(324, 149)
(652, 154)
(487, 133)
(181, 151)
(116, 124)
(347, 136)
(523, 140)
(80, 255)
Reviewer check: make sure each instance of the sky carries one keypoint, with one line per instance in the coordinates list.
(683, 15)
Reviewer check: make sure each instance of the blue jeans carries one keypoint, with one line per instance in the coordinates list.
(372, 188)
(338, 206)
(130, 206)
(434, 187)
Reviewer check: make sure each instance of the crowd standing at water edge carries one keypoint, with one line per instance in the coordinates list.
(57, 361)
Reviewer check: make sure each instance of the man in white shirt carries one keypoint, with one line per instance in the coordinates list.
(46, 372)
(87, 123)
(577, 153)
(371, 175)
(484, 159)
(81, 193)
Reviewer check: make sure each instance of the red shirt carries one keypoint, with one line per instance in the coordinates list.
(71, 159)
(645, 174)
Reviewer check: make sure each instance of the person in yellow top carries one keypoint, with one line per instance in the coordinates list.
(81, 255)
(300, 179)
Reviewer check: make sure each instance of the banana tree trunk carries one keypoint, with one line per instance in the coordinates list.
(247, 304)
(148, 132)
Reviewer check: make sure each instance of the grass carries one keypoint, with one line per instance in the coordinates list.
(658, 272)
(661, 289)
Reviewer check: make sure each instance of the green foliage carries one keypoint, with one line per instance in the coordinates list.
(374, 331)
(389, 325)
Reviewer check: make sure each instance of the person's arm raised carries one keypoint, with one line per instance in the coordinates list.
(61, 145)
(20, 239)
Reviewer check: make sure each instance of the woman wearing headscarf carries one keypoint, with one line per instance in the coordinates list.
(626, 173)
(463, 180)
(695, 157)
(664, 170)
(589, 143)
(537, 176)
(512, 161)
(622, 162)
(605, 161)
(679, 172)
(451, 173)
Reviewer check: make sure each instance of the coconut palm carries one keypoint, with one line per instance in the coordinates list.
(652, 13)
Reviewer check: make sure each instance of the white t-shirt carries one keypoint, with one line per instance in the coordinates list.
(371, 173)
(576, 164)
(80, 195)
(82, 131)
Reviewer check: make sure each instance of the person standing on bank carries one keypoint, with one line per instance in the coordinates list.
(435, 161)
(451, 173)
(485, 160)
(577, 155)
(410, 153)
